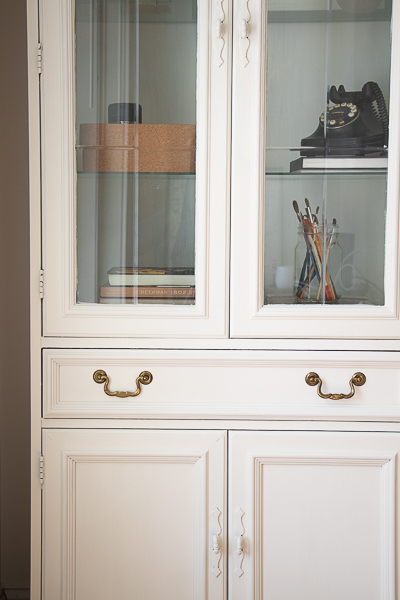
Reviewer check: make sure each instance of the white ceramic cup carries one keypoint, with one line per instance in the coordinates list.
(284, 277)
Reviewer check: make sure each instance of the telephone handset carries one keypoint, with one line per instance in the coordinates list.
(356, 125)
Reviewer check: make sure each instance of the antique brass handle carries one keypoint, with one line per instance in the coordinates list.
(145, 378)
(358, 379)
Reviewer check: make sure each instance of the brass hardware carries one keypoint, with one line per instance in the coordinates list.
(144, 378)
(358, 379)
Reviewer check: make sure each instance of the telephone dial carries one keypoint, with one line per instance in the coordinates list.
(357, 124)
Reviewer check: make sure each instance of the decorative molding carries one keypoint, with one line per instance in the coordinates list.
(207, 358)
(338, 460)
(386, 462)
(74, 458)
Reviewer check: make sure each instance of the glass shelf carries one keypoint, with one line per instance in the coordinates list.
(326, 172)
(276, 298)
(131, 11)
(135, 173)
(316, 11)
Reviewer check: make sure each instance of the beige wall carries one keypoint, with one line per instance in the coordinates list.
(14, 302)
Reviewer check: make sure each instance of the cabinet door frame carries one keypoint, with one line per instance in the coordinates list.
(251, 451)
(65, 449)
(62, 316)
(249, 316)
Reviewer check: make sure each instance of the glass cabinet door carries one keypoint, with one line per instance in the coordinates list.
(136, 85)
(323, 210)
(136, 151)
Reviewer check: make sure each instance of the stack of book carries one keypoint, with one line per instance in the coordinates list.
(132, 285)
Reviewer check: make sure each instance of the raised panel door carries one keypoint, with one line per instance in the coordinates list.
(134, 514)
(313, 515)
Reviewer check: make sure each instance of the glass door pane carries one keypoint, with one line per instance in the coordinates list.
(136, 150)
(328, 77)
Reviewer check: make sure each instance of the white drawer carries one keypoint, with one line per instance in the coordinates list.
(221, 383)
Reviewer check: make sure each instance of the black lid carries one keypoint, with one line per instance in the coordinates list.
(124, 112)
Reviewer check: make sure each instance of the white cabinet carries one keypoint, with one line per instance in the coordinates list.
(312, 514)
(170, 142)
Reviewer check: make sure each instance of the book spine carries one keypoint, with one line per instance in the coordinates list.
(151, 280)
(143, 291)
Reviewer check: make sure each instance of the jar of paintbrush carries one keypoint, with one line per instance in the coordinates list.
(318, 259)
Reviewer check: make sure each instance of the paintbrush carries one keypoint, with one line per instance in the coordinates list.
(297, 211)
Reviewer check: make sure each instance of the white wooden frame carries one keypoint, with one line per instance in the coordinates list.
(62, 316)
(249, 317)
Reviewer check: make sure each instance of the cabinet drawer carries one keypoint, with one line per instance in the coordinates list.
(220, 383)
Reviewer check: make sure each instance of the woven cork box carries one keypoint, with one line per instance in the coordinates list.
(138, 147)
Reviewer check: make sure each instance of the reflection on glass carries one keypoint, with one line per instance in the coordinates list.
(136, 150)
(327, 148)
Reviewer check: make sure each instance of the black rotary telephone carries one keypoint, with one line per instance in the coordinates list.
(356, 125)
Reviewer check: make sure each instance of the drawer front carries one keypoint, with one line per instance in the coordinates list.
(220, 383)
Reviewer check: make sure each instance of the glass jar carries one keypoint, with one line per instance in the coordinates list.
(318, 262)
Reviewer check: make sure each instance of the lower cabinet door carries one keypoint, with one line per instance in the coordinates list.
(312, 515)
(134, 515)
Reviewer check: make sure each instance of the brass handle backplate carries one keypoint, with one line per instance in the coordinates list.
(358, 379)
(145, 378)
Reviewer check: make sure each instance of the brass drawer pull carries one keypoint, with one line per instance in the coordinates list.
(358, 379)
(145, 378)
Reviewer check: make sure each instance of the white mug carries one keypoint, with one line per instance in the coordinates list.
(284, 277)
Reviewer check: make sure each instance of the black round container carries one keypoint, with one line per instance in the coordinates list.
(124, 112)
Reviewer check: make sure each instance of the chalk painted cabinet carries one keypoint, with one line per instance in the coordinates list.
(215, 299)
(144, 513)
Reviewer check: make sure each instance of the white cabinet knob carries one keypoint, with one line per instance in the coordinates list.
(239, 544)
(243, 29)
(215, 544)
(218, 28)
